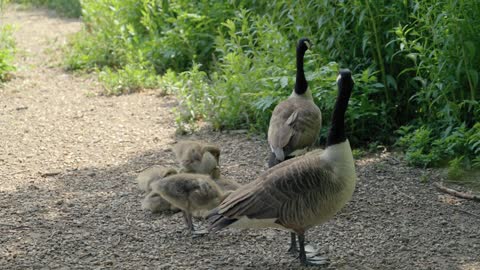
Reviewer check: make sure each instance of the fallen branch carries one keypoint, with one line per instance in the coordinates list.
(48, 174)
(14, 227)
(457, 193)
(466, 212)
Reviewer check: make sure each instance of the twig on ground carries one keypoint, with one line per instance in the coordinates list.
(22, 171)
(13, 226)
(48, 174)
(457, 193)
(468, 213)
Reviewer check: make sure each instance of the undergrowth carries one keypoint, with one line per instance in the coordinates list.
(69, 8)
(7, 52)
(416, 64)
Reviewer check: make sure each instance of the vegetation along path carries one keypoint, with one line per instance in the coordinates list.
(68, 199)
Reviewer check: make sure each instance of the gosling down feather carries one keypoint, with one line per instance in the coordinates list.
(153, 201)
(301, 192)
(194, 194)
(197, 156)
(151, 174)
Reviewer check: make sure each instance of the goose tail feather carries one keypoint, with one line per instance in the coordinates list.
(218, 221)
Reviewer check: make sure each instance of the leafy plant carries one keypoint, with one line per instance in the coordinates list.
(69, 8)
(131, 78)
(7, 51)
(416, 64)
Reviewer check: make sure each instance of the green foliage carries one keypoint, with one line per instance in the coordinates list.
(416, 64)
(3, 3)
(169, 34)
(458, 147)
(7, 51)
(131, 78)
(455, 170)
(69, 8)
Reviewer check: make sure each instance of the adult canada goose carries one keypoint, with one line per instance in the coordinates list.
(299, 193)
(296, 121)
(194, 194)
(197, 157)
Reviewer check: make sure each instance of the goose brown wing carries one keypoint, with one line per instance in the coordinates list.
(306, 127)
(279, 130)
(278, 189)
(295, 124)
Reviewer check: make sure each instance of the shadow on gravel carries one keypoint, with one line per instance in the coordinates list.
(92, 218)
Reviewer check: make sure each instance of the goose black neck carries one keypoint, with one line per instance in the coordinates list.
(336, 134)
(300, 83)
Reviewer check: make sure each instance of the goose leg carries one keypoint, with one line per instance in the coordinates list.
(310, 260)
(188, 221)
(191, 228)
(293, 243)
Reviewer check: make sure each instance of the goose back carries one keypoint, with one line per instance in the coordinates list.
(295, 124)
(295, 195)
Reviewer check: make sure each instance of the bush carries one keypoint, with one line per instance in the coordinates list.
(7, 51)
(69, 8)
(416, 63)
(423, 148)
(131, 78)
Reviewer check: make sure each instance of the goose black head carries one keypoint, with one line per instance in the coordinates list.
(345, 81)
(304, 44)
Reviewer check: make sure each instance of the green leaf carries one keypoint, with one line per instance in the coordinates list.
(283, 82)
(391, 81)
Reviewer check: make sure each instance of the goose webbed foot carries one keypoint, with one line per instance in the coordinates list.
(199, 233)
(309, 256)
(315, 261)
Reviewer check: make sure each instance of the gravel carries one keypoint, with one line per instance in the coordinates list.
(68, 198)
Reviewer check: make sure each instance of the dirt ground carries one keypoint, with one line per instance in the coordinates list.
(68, 200)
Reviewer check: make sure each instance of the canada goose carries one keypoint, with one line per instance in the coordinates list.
(152, 173)
(196, 156)
(194, 194)
(301, 192)
(296, 121)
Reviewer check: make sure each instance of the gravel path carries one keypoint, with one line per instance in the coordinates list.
(69, 157)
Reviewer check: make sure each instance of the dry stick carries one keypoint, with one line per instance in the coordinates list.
(14, 227)
(456, 193)
(468, 213)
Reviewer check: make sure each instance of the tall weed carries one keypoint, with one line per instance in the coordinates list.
(7, 52)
